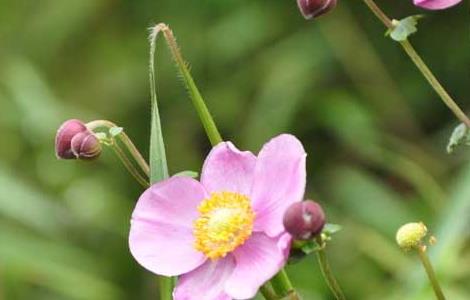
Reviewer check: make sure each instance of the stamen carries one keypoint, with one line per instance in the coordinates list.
(225, 222)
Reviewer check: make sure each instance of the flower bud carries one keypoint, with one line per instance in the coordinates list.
(410, 235)
(74, 140)
(304, 220)
(314, 8)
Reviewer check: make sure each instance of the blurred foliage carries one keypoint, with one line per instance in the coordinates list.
(375, 134)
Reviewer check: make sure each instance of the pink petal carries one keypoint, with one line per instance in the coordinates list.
(280, 177)
(172, 201)
(228, 169)
(206, 282)
(257, 261)
(436, 4)
(161, 237)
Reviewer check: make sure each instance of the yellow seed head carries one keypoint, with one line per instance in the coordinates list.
(410, 235)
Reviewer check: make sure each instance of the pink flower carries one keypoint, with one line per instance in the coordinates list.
(223, 235)
(436, 4)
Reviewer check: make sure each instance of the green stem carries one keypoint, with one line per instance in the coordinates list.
(421, 65)
(283, 287)
(195, 95)
(268, 292)
(124, 138)
(129, 166)
(166, 285)
(430, 271)
(327, 272)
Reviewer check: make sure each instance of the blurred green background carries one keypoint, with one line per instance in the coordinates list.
(374, 130)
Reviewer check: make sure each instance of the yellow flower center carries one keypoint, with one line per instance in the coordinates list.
(225, 222)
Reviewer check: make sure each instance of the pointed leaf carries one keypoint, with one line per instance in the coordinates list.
(158, 164)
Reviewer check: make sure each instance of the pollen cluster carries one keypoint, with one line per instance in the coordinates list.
(225, 222)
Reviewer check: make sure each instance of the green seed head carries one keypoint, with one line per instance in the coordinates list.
(410, 235)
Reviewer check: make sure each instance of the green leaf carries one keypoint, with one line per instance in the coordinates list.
(330, 229)
(404, 28)
(188, 173)
(460, 136)
(158, 164)
(115, 131)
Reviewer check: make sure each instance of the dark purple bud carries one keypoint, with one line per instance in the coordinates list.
(85, 144)
(304, 220)
(314, 8)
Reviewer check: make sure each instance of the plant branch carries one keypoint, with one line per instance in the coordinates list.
(421, 65)
(327, 272)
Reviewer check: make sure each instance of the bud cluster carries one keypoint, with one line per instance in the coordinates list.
(75, 141)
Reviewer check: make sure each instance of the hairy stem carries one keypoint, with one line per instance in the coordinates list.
(421, 65)
(198, 102)
(430, 271)
(327, 272)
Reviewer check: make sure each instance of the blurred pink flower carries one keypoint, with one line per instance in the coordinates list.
(223, 235)
(436, 4)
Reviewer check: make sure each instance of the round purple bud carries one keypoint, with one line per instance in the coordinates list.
(314, 8)
(304, 220)
(74, 140)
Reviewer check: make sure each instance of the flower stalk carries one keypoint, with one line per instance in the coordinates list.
(421, 65)
(124, 138)
(128, 165)
(430, 271)
(326, 270)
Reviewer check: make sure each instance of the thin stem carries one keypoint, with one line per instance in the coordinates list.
(124, 138)
(283, 287)
(327, 272)
(268, 292)
(198, 102)
(129, 166)
(430, 271)
(421, 65)
(165, 287)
